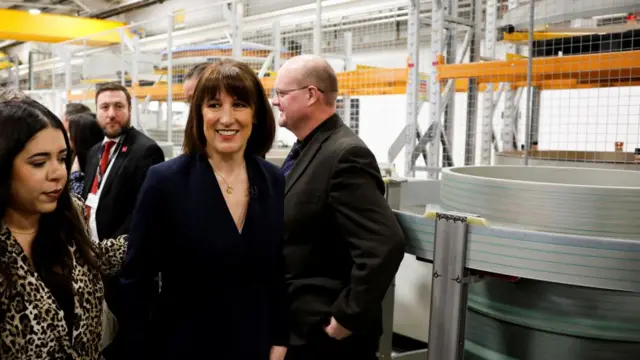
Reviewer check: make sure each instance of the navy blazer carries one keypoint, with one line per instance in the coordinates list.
(223, 292)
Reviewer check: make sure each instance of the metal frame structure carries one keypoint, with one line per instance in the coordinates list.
(232, 11)
(511, 100)
(444, 23)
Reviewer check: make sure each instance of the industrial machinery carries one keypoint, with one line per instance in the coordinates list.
(562, 158)
(531, 263)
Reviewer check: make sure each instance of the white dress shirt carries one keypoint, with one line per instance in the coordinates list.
(94, 210)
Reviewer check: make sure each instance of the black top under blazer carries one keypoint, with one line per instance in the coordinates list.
(223, 292)
(342, 242)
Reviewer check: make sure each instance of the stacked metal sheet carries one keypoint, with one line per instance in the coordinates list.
(533, 319)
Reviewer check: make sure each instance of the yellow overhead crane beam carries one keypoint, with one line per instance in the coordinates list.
(52, 28)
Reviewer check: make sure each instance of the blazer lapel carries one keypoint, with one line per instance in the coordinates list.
(92, 168)
(310, 152)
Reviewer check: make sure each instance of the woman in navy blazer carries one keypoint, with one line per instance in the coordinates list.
(211, 223)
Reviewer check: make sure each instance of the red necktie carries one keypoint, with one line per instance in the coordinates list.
(104, 161)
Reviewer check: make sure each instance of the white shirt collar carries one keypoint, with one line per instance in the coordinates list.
(109, 139)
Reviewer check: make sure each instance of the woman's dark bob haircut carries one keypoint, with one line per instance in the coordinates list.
(239, 81)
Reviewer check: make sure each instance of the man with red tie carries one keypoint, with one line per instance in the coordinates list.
(116, 169)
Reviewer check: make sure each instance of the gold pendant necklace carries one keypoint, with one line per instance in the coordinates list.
(229, 187)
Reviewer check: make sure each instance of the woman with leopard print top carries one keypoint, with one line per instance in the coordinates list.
(51, 292)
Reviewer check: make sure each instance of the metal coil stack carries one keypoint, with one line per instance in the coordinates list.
(537, 320)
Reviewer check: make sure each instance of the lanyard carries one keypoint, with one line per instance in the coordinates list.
(112, 156)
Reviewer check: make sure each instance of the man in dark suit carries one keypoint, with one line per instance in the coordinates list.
(116, 169)
(343, 245)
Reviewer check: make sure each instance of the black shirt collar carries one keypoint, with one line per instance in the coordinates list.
(301, 144)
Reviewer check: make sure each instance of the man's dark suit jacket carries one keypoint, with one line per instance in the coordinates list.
(117, 201)
(343, 245)
(120, 190)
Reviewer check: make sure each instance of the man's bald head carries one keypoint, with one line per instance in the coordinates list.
(316, 71)
(306, 91)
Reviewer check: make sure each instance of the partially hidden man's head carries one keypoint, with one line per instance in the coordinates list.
(73, 109)
(191, 79)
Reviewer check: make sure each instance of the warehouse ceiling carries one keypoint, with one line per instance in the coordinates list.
(64, 7)
(100, 9)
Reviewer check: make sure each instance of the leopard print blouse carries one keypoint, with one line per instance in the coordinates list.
(32, 325)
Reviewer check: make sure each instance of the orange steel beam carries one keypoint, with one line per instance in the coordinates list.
(567, 84)
(615, 66)
(372, 77)
(571, 72)
(159, 93)
(368, 86)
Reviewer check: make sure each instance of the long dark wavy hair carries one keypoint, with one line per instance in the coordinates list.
(21, 120)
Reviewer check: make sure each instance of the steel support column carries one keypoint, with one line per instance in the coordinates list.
(534, 126)
(16, 71)
(348, 50)
(510, 118)
(317, 30)
(472, 94)
(451, 50)
(234, 13)
(348, 54)
(413, 43)
(488, 103)
(135, 58)
(393, 194)
(66, 59)
(449, 288)
(123, 65)
(277, 61)
(31, 75)
(435, 95)
(528, 130)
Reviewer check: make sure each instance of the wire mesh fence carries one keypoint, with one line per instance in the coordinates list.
(584, 106)
(426, 84)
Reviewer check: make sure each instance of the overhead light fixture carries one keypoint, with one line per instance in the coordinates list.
(34, 11)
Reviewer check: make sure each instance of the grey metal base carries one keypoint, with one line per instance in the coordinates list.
(411, 355)
(489, 339)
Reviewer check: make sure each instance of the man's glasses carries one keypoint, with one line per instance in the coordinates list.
(281, 93)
